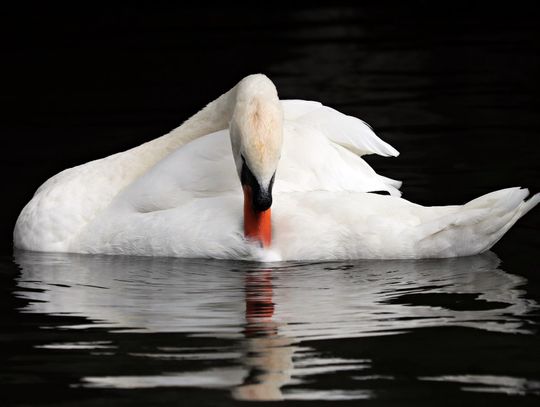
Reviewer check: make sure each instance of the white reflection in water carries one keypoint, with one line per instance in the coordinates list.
(79, 345)
(323, 300)
(211, 378)
(273, 309)
(491, 384)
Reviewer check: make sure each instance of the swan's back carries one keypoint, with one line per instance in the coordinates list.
(68, 201)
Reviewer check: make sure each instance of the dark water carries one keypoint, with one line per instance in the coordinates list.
(455, 88)
(129, 330)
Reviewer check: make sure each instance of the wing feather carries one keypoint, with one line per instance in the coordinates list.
(347, 131)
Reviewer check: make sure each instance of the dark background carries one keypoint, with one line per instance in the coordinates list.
(454, 87)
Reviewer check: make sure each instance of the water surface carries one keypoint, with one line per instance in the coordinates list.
(120, 328)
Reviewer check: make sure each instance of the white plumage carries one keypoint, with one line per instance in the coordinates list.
(179, 195)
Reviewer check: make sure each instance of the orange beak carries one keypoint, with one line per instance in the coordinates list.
(257, 225)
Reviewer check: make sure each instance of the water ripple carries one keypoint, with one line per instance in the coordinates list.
(271, 313)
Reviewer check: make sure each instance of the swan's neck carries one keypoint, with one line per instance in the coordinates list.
(213, 117)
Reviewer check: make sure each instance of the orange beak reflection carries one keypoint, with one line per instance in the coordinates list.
(257, 225)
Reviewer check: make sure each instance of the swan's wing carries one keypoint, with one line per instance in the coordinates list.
(295, 108)
(312, 162)
(347, 131)
(200, 169)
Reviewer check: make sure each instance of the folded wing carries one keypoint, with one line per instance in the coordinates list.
(347, 131)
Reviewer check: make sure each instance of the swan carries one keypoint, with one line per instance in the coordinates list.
(251, 176)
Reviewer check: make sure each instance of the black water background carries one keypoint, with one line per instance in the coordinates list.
(454, 87)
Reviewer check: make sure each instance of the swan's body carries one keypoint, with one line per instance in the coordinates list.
(179, 195)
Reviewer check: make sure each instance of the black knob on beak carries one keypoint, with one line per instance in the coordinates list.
(261, 196)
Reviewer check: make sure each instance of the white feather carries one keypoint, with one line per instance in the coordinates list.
(179, 195)
(347, 131)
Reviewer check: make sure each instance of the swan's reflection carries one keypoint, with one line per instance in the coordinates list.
(268, 354)
(274, 309)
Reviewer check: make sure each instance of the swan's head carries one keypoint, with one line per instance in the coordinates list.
(256, 130)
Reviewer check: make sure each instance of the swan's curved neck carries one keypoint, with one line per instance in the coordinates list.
(213, 117)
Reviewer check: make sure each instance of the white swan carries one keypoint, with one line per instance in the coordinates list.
(179, 195)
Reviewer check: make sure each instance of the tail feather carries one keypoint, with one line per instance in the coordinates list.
(528, 205)
(476, 226)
